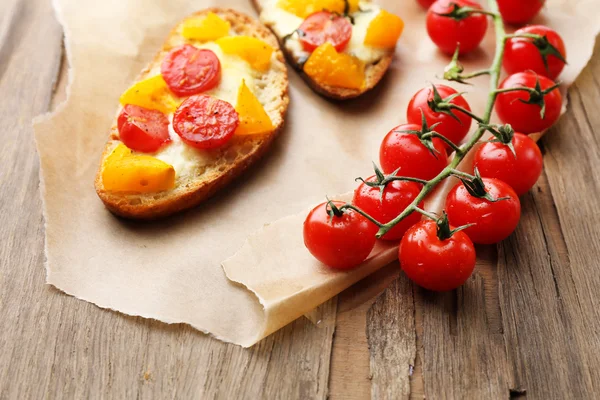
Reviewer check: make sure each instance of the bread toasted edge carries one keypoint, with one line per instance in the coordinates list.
(120, 204)
(373, 72)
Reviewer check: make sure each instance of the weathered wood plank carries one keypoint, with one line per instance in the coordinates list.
(350, 378)
(54, 346)
(392, 342)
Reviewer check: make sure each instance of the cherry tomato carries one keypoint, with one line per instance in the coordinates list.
(205, 122)
(341, 242)
(494, 221)
(188, 70)
(526, 118)
(397, 196)
(325, 26)
(435, 264)
(521, 54)
(447, 32)
(448, 127)
(426, 3)
(405, 152)
(518, 12)
(521, 172)
(142, 129)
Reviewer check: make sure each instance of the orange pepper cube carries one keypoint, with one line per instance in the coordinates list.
(384, 30)
(256, 52)
(328, 67)
(253, 117)
(136, 173)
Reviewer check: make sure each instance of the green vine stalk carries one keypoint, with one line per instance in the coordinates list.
(484, 121)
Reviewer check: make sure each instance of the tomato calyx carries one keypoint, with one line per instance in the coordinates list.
(382, 180)
(475, 186)
(428, 133)
(336, 212)
(458, 13)
(502, 134)
(536, 94)
(445, 105)
(333, 210)
(543, 45)
(444, 230)
(454, 70)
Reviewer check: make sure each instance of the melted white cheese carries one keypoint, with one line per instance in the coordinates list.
(283, 23)
(185, 159)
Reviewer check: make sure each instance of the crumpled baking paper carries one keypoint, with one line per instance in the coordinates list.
(171, 270)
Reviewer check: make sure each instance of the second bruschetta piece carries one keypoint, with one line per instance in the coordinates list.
(341, 47)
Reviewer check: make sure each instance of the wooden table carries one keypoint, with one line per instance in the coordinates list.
(527, 324)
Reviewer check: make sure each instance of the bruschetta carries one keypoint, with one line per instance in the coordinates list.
(342, 48)
(207, 107)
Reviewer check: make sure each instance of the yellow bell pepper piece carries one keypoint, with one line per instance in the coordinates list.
(136, 173)
(384, 30)
(253, 117)
(303, 8)
(206, 29)
(255, 51)
(152, 93)
(328, 67)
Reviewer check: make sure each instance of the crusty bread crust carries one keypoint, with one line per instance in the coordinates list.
(232, 159)
(373, 73)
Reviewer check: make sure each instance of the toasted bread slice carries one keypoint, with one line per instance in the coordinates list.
(224, 163)
(374, 70)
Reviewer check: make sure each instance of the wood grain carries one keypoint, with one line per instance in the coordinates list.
(54, 346)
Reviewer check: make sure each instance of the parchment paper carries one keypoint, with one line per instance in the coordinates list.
(171, 270)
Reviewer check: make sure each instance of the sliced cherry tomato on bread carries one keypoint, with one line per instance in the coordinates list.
(205, 122)
(142, 129)
(188, 70)
(322, 27)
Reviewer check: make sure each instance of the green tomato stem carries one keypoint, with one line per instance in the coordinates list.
(494, 73)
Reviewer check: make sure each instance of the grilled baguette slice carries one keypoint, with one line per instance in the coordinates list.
(374, 72)
(227, 162)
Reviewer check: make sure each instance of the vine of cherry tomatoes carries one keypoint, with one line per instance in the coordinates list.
(437, 251)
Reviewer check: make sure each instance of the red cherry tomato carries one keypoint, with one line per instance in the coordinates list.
(518, 12)
(405, 152)
(397, 196)
(142, 129)
(521, 54)
(435, 264)
(523, 117)
(448, 127)
(325, 26)
(340, 242)
(188, 70)
(205, 122)
(496, 160)
(426, 3)
(447, 32)
(494, 221)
